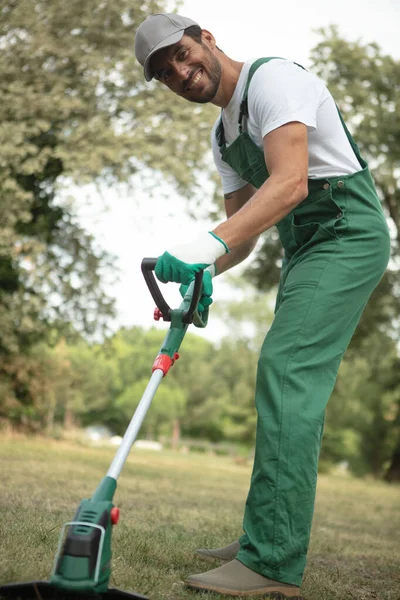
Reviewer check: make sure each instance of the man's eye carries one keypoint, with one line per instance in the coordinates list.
(163, 76)
(182, 55)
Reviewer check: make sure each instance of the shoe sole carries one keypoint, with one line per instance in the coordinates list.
(276, 594)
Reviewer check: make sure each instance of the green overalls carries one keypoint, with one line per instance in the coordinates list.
(336, 249)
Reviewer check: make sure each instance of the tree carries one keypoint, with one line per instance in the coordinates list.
(361, 415)
(366, 85)
(248, 314)
(74, 106)
(167, 408)
(134, 350)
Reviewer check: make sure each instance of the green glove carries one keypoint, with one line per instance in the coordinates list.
(181, 263)
(206, 292)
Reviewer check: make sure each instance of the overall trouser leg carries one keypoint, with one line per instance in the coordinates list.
(327, 285)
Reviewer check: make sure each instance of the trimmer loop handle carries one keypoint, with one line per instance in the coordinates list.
(148, 266)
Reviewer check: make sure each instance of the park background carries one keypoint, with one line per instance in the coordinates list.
(100, 169)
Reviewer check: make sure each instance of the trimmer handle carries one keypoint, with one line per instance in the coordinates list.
(148, 266)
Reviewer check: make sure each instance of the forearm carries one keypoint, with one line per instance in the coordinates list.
(269, 205)
(249, 213)
(235, 256)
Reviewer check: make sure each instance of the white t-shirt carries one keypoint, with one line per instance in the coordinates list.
(281, 92)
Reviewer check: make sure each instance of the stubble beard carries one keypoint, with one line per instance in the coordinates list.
(215, 70)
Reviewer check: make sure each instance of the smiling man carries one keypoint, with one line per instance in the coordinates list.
(286, 159)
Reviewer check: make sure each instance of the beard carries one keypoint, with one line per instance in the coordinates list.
(214, 72)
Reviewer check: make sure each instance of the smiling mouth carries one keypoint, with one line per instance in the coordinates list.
(195, 80)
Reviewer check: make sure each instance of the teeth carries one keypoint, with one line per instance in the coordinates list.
(196, 80)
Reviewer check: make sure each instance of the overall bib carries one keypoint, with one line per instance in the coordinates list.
(336, 249)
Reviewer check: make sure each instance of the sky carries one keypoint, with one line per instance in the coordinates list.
(136, 226)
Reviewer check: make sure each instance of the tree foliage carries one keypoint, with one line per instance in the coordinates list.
(74, 106)
(366, 85)
(74, 96)
(207, 396)
(364, 405)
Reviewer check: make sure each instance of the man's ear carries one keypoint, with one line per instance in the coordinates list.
(208, 39)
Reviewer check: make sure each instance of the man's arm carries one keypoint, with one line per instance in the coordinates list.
(234, 201)
(286, 157)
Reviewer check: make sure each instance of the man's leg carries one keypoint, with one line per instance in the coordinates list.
(326, 286)
(322, 301)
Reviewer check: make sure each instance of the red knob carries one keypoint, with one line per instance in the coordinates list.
(157, 314)
(114, 514)
(176, 356)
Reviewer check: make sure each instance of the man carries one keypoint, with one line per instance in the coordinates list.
(287, 159)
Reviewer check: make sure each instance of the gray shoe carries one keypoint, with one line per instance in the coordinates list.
(235, 579)
(226, 553)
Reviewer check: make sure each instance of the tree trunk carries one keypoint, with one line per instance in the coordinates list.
(69, 420)
(393, 473)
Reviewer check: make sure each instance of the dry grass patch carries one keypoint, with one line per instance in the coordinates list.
(171, 504)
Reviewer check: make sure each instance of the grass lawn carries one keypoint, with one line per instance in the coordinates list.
(171, 504)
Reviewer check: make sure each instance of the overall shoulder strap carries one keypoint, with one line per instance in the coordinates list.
(353, 144)
(219, 132)
(244, 111)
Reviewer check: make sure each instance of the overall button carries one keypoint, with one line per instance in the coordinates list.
(326, 186)
(339, 215)
(340, 184)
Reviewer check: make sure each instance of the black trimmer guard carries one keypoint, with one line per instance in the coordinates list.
(42, 590)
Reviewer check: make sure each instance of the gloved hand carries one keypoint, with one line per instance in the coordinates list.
(181, 263)
(206, 292)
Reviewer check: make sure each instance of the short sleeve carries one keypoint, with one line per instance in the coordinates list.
(281, 92)
(230, 179)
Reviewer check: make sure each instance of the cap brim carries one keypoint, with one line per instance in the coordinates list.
(169, 41)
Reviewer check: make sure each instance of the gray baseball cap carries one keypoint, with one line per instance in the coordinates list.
(158, 31)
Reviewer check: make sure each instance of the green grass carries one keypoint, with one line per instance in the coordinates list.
(173, 503)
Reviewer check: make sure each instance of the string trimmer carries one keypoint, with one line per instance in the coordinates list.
(82, 565)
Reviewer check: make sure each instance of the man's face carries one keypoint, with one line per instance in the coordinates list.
(189, 69)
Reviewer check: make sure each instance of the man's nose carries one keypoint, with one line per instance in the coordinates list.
(181, 70)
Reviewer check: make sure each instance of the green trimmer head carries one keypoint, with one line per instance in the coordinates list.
(82, 566)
